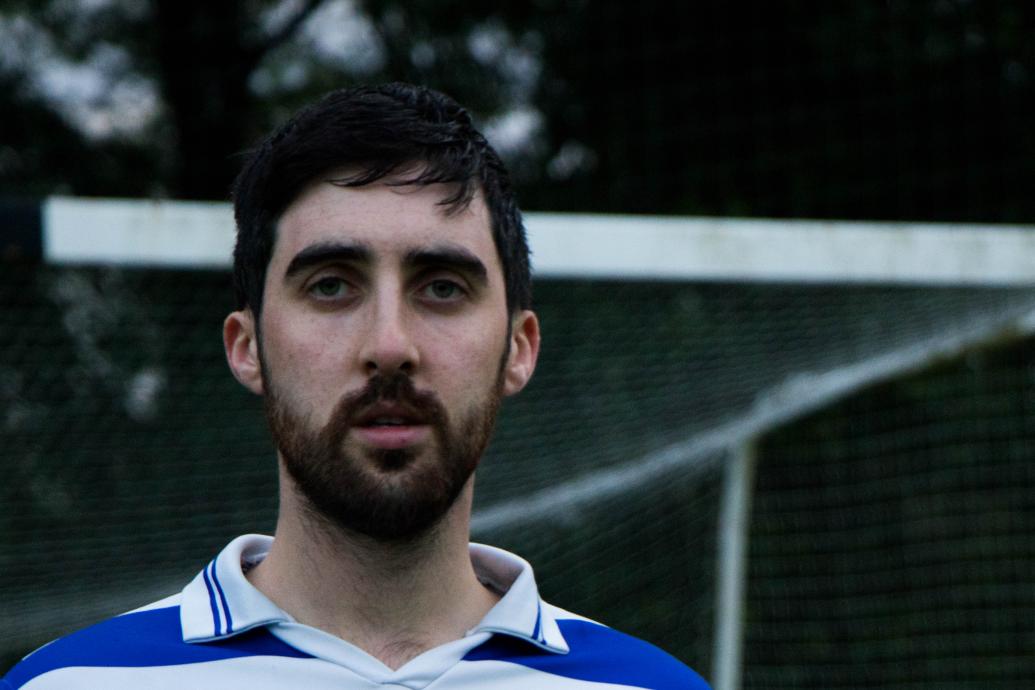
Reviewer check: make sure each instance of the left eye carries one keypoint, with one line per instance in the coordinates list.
(443, 289)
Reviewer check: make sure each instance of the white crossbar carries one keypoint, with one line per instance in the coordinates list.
(201, 235)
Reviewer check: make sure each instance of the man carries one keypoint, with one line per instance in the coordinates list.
(383, 288)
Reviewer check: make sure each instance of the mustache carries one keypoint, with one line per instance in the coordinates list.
(396, 388)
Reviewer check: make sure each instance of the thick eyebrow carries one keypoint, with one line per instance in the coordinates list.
(326, 252)
(449, 257)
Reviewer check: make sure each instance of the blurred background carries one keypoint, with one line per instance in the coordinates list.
(857, 109)
(890, 539)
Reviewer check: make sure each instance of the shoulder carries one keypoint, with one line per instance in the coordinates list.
(599, 654)
(616, 657)
(116, 642)
(142, 639)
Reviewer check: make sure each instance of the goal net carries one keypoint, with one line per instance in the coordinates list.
(796, 455)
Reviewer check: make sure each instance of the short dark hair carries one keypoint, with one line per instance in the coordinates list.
(376, 131)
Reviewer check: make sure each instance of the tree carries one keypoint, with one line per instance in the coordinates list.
(171, 92)
(860, 110)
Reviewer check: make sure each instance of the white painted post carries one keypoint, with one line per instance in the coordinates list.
(734, 522)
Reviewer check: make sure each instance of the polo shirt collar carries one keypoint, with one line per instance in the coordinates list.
(220, 602)
(520, 612)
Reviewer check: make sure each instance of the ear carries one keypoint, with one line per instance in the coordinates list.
(242, 349)
(524, 351)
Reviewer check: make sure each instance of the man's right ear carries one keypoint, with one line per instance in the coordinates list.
(242, 349)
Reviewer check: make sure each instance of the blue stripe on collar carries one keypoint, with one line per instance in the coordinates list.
(212, 602)
(222, 598)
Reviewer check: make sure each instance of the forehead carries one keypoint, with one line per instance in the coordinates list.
(384, 217)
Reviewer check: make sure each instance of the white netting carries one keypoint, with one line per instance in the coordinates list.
(132, 456)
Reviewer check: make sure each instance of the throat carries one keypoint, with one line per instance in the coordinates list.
(393, 599)
(397, 653)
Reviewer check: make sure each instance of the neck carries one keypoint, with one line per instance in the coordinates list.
(393, 600)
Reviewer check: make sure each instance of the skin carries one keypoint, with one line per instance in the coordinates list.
(413, 300)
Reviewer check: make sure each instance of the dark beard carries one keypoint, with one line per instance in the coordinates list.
(387, 495)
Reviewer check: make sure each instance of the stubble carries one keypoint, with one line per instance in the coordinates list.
(392, 495)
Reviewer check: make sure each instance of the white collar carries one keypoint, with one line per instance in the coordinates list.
(220, 602)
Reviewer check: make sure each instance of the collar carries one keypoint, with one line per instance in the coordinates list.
(520, 612)
(220, 602)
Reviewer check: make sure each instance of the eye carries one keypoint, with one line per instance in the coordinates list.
(443, 290)
(329, 287)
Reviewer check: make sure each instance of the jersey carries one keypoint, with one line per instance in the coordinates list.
(221, 632)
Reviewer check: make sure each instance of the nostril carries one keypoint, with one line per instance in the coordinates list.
(372, 367)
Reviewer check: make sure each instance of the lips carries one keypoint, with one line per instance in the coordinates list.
(391, 426)
(389, 415)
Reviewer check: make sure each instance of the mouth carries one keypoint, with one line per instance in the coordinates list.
(391, 427)
(388, 421)
(388, 415)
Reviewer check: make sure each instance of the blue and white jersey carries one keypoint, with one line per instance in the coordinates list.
(221, 632)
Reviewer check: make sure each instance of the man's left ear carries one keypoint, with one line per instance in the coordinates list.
(524, 351)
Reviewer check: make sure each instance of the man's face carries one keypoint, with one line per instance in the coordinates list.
(384, 352)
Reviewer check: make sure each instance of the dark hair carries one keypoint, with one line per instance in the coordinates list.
(376, 131)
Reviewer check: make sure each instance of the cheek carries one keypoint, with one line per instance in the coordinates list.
(306, 364)
(466, 357)
(296, 338)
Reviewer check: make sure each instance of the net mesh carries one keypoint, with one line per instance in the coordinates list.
(896, 110)
(133, 456)
(891, 545)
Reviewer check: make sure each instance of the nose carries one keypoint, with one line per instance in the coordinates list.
(388, 344)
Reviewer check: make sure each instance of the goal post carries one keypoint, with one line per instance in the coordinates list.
(187, 234)
(706, 388)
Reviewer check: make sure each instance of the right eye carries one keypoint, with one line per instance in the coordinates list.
(329, 288)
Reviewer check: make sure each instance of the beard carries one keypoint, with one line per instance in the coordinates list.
(389, 495)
